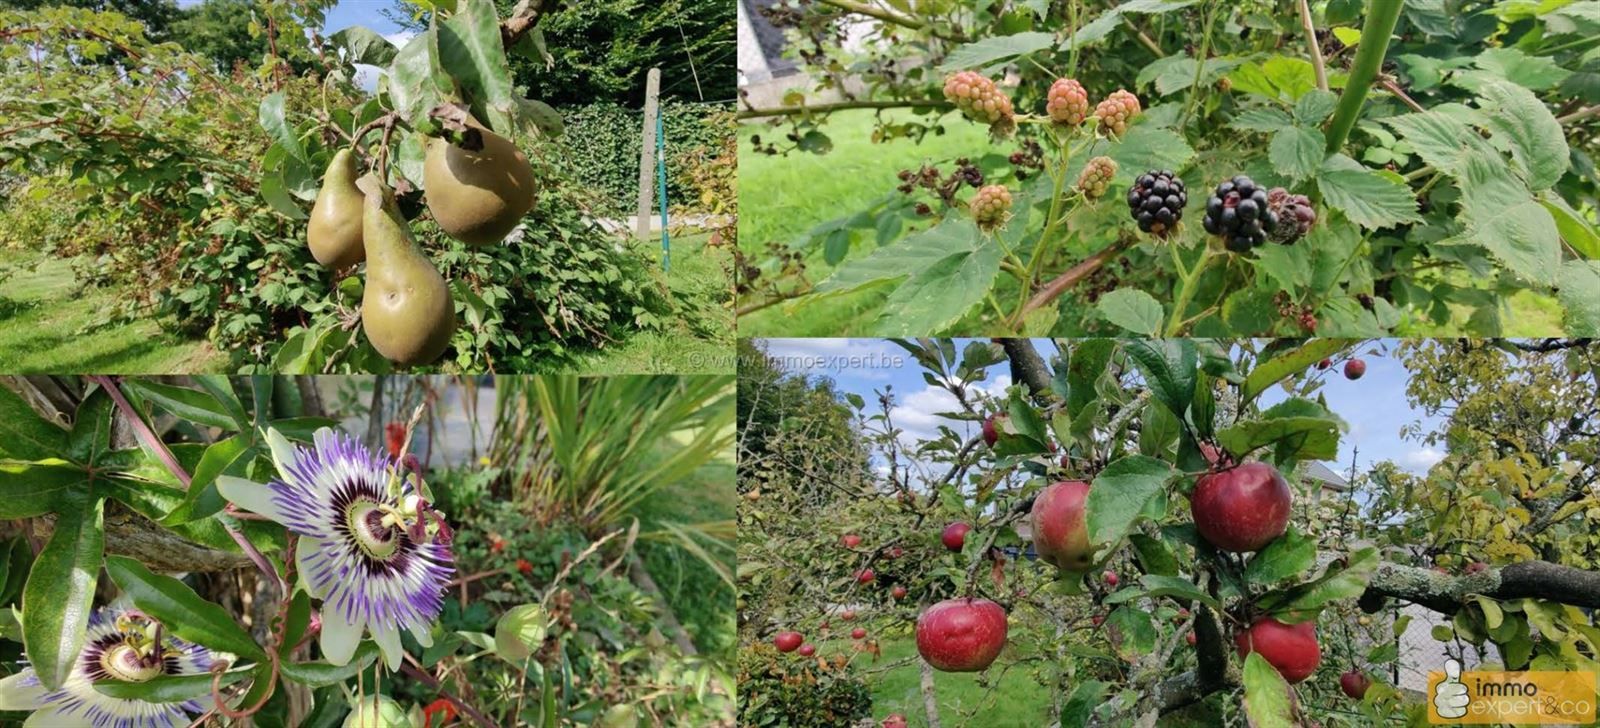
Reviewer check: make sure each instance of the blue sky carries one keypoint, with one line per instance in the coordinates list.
(1375, 406)
(346, 14)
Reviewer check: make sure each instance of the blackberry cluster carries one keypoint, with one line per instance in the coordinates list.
(990, 206)
(1295, 216)
(1157, 200)
(1116, 111)
(979, 99)
(1096, 177)
(1068, 103)
(1239, 213)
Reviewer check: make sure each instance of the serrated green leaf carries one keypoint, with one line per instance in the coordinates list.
(1290, 555)
(1297, 152)
(1119, 496)
(1579, 292)
(996, 48)
(1132, 309)
(1369, 200)
(1287, 364)
(937, 297)
(1169, 368)
(1266, 694)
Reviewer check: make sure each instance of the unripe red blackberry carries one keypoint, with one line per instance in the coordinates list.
(979, 99)
(990, 206)
(1156, 201)
(1116, 111)
(1068, 103)
(1096, 177)
(1238, 212)
(1295, 215)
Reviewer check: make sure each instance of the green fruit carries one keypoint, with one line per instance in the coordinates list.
(334, 233)
(406, 308)
(477, 196)
(618, 716)
(381, 711)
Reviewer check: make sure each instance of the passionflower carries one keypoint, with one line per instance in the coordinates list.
(370, 547)
(121, 644)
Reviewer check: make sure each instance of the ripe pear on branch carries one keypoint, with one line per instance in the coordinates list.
(334, 233)
(478, 184)
(406, 308)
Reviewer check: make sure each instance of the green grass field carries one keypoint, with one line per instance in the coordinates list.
(51, 324)
(781, 198)
(700, 340)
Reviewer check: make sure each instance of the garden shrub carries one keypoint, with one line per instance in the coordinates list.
(785, 690)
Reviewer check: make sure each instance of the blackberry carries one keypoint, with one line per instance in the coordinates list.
(990, 206)
(1116, 111)
(1096, 177)
(1295, 216)
(1068, 103)
(980, 100)
(1238, 212)
(1156, 200)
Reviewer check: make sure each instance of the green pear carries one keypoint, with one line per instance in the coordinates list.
(334, 234)
(477, 196)
(406, 308)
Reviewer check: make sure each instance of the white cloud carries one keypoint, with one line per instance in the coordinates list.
(1421, 459)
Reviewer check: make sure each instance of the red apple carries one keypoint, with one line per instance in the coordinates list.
(991, 428)
(1060, 533)
(898, 592)
(1354, 368)
(1324, 364)
(849, 615)
(895, 720)
(1182, 615)
(865, 576)
(1111, 578)
(1097, 620)
(857, 633)
(955, 535)
(1241, 509)
(894, 553)
(787, 641)
(961, 635)
(1477, 567)
(850, 540)
(808, 649)
(1190, 638)
(1066, 462)
(1354, 684)
(1292, 649)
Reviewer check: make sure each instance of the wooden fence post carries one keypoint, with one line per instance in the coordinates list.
(647, 152)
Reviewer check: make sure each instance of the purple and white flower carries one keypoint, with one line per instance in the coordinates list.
(122, 644)
(370, 548)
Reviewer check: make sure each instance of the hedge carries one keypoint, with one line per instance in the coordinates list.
(602, 141)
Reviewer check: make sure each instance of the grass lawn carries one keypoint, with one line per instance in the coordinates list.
(699, 339)
(1014, 699)
(782, 198)
(698, 597)
(50, 324)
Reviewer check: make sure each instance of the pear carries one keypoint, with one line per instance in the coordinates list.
(477, 196)
(334, 234)
(406, 308)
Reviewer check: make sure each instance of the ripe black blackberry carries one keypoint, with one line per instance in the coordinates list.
(1238, 212)
(1156, 201)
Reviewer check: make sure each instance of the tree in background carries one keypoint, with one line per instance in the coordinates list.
(606, 46)
(227, 32)
(790, 423)
(156, 15)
